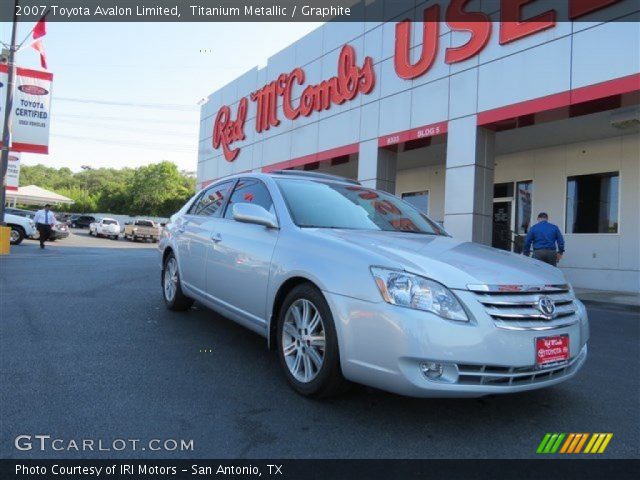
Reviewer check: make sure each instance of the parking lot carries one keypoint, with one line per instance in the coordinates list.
(88, 350)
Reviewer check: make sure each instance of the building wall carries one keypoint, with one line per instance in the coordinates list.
(553, 61)
(549, 69)
(591, 260)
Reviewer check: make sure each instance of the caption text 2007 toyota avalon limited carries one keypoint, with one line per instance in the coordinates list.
(350, 283)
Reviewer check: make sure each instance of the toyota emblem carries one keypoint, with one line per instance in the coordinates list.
(547, 307)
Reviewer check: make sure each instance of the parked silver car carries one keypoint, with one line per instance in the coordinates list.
(346, 282)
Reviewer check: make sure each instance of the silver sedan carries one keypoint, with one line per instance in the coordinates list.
(353, 284)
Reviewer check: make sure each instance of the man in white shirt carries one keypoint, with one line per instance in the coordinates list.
(44, 220)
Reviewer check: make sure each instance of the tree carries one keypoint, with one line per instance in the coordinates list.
(156, 190)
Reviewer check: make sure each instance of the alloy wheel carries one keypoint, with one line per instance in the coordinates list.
(14, 236)
(170, 279)
(303, 340)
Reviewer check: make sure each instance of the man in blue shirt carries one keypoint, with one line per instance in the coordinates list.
(544, 236)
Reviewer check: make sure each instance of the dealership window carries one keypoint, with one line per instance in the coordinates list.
(592, 203)
(524, 191)
(503, 190)
(420, 200)
(250, 191)
(211, 200)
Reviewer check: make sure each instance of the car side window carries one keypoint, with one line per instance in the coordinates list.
(250, 190)
(210, 202)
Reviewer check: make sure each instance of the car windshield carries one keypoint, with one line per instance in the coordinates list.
(320, 204)
(109, 222)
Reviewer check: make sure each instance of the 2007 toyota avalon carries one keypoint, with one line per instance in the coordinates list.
(353, 284)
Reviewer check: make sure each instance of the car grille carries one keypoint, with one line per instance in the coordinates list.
(515, 307)
(496, 375)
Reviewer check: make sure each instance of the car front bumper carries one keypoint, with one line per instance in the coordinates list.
(59, 234)
(385, 346)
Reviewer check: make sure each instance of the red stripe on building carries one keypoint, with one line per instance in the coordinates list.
(314, 157)
(11, 188)
(576, 96)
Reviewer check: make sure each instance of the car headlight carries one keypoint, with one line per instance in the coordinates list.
(412, 291)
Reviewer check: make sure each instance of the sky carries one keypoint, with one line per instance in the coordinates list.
(169, 67)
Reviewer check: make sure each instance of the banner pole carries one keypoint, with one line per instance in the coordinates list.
(8, 107)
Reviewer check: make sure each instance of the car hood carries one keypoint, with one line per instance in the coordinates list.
(454, 263)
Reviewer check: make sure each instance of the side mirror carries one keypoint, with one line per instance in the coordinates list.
(251, 213)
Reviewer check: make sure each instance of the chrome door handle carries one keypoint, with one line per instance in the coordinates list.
(215, 237)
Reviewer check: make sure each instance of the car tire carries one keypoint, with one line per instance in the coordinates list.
(327, 380)
(16, 235)
(174, 298)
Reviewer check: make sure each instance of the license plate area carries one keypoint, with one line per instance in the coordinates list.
(552, 351)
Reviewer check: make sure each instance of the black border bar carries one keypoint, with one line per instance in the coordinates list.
(547, 469)
(300, 10)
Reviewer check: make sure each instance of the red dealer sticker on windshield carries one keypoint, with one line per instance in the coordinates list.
(552, 349)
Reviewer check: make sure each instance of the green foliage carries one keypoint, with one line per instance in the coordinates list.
(157, 190)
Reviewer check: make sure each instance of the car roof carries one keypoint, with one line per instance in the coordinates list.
(298, 174)
(303, 174)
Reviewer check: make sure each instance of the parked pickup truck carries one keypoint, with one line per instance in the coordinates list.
(21, 227)
(105, 227)
(142, 230)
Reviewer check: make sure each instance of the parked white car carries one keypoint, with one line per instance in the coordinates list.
(105, 227)
(21, 227)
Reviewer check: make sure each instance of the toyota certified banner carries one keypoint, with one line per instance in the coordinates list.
(31, 105)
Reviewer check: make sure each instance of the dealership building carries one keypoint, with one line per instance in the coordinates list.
(481, 125)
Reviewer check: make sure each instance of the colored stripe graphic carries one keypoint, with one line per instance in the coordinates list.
(573, 443)
(598, 443)
(608, 438)
(568, 442)
(581, 443)
(550, 443)
(543, 443)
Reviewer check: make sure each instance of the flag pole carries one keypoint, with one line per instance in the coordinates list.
(8, 107)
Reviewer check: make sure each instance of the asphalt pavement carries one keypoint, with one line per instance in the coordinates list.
(88, 351)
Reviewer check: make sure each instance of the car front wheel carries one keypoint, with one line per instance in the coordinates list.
(171, 289)
(16, 235)
(308, 344)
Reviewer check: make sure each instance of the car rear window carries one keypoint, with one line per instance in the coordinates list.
(144, 223)
(109, 222)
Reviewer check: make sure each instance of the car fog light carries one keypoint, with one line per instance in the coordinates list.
(432, 370)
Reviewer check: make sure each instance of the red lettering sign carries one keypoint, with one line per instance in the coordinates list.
(511, 31)
(578, 8)
(226, 131)
(349, 82)
(479, 24)
(352, 79)
(430, 37)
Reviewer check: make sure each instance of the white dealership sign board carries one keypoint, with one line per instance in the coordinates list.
(13, 171)
(31, 102)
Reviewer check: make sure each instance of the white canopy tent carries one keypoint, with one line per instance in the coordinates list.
(34, 195)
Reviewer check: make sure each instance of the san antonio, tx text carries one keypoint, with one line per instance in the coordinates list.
(143, 469)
